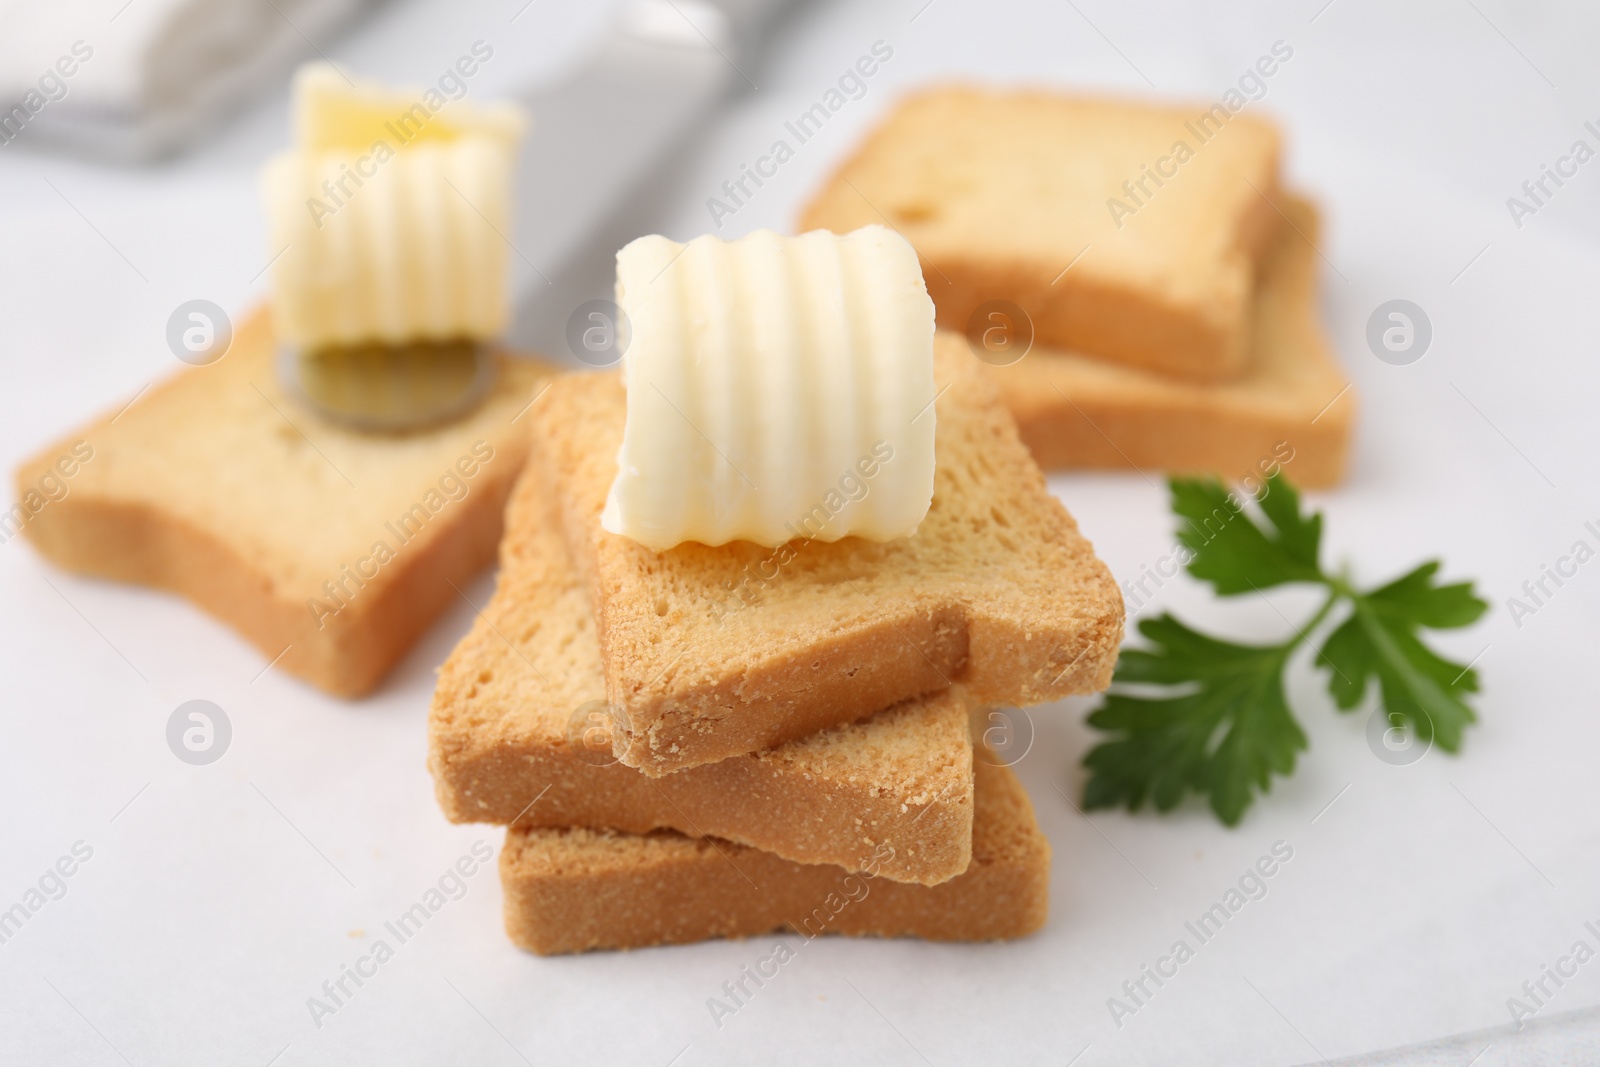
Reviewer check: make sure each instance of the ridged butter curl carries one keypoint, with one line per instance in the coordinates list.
(388, 217)
(779, 388)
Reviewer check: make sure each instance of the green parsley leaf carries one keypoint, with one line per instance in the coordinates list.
(1235, 553)
(1193, 713)
(1380, 639)
(1221, 727)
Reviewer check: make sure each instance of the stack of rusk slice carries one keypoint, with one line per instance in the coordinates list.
(719, 742)
(1139, 281)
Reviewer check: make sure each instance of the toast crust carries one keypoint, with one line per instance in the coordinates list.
(160, 503)
(579, 890)
(502, 747)
(710, 653)
(1293, 407)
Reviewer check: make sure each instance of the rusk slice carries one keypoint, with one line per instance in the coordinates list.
(714, 652)
(576, 890)
(513, 729)
(327, 549)
(1292, 408)
(1001, 192)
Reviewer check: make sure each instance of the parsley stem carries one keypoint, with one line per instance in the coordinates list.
(1340, 584)
(1303, 634)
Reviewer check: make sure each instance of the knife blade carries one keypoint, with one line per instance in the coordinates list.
(598, 136)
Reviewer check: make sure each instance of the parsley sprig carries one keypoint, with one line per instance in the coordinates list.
(1196, 713)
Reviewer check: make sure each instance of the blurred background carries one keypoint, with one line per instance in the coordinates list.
(1460, 98)
(135, 189)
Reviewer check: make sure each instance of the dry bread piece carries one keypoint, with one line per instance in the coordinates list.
(1002, 192)
(714, 652)
(1292, 408)
(330, 548)
(576, 890)
(519, 711)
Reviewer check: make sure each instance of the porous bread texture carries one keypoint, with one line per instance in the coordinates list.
(714, 652)
(218, 486)
(1001, 191)
(577, 890)
(507, 742)
(1293, 407)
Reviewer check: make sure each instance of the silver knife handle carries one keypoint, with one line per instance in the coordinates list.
(735, 29)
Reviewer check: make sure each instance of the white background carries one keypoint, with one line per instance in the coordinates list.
(219, 898)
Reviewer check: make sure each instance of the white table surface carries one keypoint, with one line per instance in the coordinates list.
(219, 898)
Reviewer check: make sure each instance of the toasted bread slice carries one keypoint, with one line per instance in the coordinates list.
(1002, 192)
(1293, 408)
(511, 738)
(329, 550)
(576, 890)
(714, 652)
